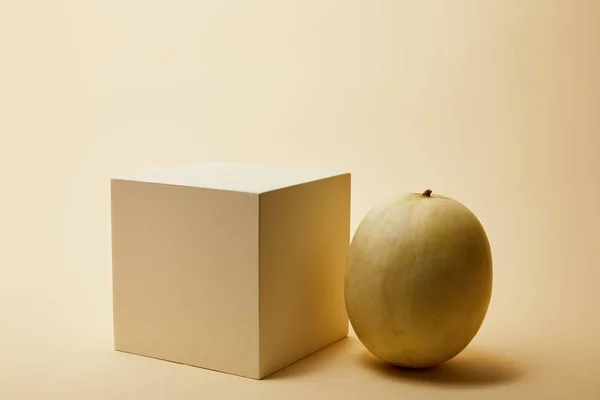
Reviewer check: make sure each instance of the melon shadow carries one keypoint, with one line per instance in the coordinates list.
(473, 367)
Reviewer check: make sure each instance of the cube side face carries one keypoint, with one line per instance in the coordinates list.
(304, 239)
(185, 275)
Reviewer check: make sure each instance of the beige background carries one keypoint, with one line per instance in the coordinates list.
(494, 103)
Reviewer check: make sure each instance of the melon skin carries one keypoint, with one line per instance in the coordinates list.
(418, 279)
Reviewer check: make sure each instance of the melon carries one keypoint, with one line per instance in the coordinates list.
(418, 279)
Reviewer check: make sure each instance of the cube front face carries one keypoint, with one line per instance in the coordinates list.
(304, 238)
(185, 275)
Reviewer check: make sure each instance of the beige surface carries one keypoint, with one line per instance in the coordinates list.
(493, 102)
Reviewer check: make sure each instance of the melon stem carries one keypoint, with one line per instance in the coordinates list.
(426, 193)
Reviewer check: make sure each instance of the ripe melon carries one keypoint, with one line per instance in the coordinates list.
(418, 279)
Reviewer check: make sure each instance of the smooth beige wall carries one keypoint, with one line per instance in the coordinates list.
(494, 103)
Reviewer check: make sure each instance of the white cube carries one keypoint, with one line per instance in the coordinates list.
(230, 267)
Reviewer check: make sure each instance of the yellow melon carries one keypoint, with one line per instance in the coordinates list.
(418, 280)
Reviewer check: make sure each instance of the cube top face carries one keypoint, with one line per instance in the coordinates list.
(237, 177)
